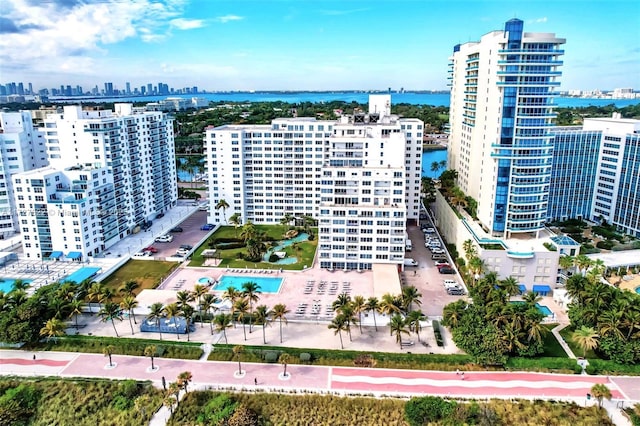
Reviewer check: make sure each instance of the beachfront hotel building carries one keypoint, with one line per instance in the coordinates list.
(21, 149)
(135, 150)
(358, 176)
(596, 173)
(501, 118)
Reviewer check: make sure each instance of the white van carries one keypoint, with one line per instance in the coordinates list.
(407, 245)
(410, 262)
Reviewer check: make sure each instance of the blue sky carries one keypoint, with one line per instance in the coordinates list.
(298, 44)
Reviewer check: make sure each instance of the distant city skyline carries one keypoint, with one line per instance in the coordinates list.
(293, 45)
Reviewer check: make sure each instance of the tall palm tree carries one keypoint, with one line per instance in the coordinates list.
(359, 305)
(184, 379)
(222, 322)
(129, 303)
(566, 262)
(599, 392)
(241, 309)
(156, 313)
(95, 293)
(19, 285)
(150, 351)
(350, 317)
(231, 294)
(413, 321)
(339, 324)
(373, 306)
(390, 305)
(586, 338)
(222, 204)
(237, 352)
(284, 360)
(111, 312)
(286, 220)
(172, 311)
(343, 300)
(531, 299)
(476, 267)
(236, 221)
(187, 313)
(452, 313)
(184, 298)
(583, 263)
(53, 329)
(410, 295)
(279, 313)
(207, 304)
(632, 321)
(251, 292)
(108, 351)
(198, 292)
(469, 249)
(611, 323)
(66, 291)
(129, 288)
(248, 231)
(397, 326)
(76, 309)
(577, 288)
(510, 286)
(263, 317)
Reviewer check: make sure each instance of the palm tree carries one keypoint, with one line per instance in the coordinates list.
(53, 329)
(129, 288)
(237, 351)
(284, 360)
(339, 324)
(373, 306)
(566, 262)
(187, 313)
(611, 322)
(413, 321)
(586, 338)
(435, 166)
(286, 220)
(410, 295)
(536, 331)
(469, 249)
(279, 313)
(94, 293)
(248, 232)
(183, 380)
(390, 305)
(263, 316)
(452, 313)
(150, 351)
(208, 303)
(476, 267)
(599, 392)
(111, 312)
(107, 295)
(359, 305)
(222, 204)
(156, 313)
(172, 311)
(397, 326)
(108, 351)
(231, 294)
(350, 318)
(251, 291)
(129, 303)
(583, 263)
(531, 299)
(342, 301)
(198, 292)
(510, 286)
(66, 291)
(235, 220)
(632, 321)
(19, 285)
(222, 323)
(184, 298)
(241, 309)
(76, 309)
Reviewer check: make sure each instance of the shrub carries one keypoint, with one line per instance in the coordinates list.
(421, 411)
(549, 246)
(271, 356)
(590, 370)
(437, 333)
(605, 245)
(305, 357)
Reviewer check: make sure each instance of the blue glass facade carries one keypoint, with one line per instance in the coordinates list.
(527, 76)
(626, 214)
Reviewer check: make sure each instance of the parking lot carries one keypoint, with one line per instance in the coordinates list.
(425, 277)
(191, 234)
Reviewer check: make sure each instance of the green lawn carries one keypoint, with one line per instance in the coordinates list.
(566, 335)
(147, 273)
(552, 347)
(229, 257)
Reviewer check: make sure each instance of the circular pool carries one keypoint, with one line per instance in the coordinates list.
(204, 280)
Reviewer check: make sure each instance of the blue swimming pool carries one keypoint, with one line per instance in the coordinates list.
(81, 274)
(542, 308)
(6, 284)
(303, 236)
(266, 284)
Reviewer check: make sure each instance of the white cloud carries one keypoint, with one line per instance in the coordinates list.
(538, 20)
(228, 18)
(186, 24)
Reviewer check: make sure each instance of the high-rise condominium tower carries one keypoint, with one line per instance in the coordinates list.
(501, 117)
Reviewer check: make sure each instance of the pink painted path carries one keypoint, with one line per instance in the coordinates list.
(22, 361)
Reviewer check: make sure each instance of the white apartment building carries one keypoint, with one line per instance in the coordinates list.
(66, 212)
(133, 147)
(501, 119)
(21, 149)
(358, 176)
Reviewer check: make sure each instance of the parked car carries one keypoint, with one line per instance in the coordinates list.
(186, 247)
(182, 252)
(456, 292)
(142, 254)
(439, 263)
(159, 215)
(437, 250)
(439, 256)
(410, 262)
(444, 265)
(447, 270)
(164, 238)
(207, 227)
(176, 229)
(146, 225)
(150, 249)
(430, 230)
(204, 208)
(450, 284)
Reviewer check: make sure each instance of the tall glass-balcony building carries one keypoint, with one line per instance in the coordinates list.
(501, 116)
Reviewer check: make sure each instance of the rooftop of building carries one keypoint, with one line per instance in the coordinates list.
(616, 259)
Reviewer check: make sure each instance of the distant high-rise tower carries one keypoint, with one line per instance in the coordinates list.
(108, 89)
(501, 117)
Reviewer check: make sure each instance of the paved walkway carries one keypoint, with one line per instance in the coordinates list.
(556, 332)
(321, 379)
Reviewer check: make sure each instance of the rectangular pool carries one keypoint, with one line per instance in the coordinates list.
(541, 308)
(81, 274)
(6, 284)
(265, 284)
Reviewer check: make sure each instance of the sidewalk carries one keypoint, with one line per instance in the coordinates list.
(319, 379)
